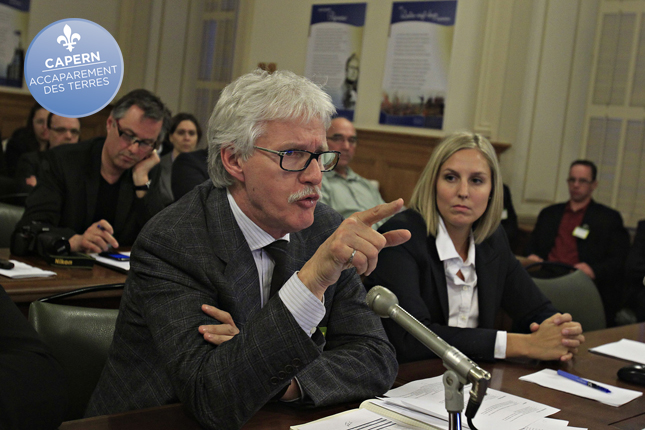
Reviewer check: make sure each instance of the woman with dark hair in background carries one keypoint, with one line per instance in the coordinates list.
(458, 270)
(33, 137)
(184, 136)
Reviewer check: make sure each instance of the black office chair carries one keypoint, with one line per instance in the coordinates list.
(549, 269)
(573, 292)
(9, 217)
(79, 338)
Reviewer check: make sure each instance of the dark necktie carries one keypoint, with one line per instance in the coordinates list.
(278, 251)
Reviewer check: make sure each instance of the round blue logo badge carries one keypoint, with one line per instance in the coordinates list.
(74, 67)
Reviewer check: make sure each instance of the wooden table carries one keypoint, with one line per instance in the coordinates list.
(578, 411)
(25, 291)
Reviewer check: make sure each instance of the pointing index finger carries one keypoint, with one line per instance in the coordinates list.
(377, 213)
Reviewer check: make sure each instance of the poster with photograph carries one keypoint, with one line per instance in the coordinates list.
(14, 19)
(334, 52)
(415, 82)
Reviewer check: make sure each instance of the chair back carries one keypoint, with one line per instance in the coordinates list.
(79, 339)
(9, 217)
(576, 294)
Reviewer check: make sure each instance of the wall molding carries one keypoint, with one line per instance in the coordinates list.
(396, 160)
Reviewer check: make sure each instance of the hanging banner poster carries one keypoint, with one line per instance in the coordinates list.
(14, 19)
(334, 52)
(417, 63)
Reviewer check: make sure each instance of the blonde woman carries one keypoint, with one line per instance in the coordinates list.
(457, 270)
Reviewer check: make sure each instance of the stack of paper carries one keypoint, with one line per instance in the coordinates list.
(23, 270)
(499, 410)
(421, 405)
(549, 378)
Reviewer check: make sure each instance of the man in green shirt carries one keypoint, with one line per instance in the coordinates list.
(343, 189)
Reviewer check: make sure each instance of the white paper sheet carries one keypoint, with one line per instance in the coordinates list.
(354, 419)
(551, 424)
(549, 378)
(124, 265)
(419, 416)
(499, 410)
(22, 271)
(625, 349)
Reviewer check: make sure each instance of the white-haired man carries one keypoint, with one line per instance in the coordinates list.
(313, 341)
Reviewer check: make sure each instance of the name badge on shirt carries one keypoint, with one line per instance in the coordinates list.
(505, 214)
(581, 232)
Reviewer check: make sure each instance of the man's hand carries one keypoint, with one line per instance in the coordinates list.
(31, 181)
(536, 258)
(354, 243)
(142, 168)
(557, 338)
(584, 267)
(97, 238)
(218, 333)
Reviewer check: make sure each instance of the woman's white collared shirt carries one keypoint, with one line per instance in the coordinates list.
(463, 301)
(462, 294)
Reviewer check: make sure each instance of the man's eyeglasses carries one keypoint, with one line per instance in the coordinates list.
(296, 160)
(339, 138)
(130, 139)
(581, 181)
(61, 130)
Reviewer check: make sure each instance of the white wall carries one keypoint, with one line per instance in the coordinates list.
(519, 74)
(44, 12)
(152, 35)
(519, 71)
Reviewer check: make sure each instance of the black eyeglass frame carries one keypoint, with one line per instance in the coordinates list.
(132, 139)
(312, 155)
(339, 138)
(582, 181)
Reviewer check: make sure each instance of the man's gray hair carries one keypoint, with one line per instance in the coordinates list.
(252, 100)
(151, 105)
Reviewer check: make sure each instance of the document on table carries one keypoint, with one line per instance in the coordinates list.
(551, 424)
(549, 378)
(421, 405)
(499, 410)
(119, 266)
(625, 349)
(22, 271)
(356, 419)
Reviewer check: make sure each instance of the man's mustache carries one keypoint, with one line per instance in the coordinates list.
(307, 191)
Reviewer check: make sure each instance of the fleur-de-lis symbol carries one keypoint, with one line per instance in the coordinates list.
(68, 38)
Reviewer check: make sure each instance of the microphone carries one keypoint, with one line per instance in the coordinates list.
(385, 304)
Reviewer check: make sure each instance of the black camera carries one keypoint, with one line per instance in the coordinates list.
(38, 238)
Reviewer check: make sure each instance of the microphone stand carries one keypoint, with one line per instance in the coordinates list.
(460, 369)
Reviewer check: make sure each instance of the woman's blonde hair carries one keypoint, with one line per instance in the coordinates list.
(424, 197)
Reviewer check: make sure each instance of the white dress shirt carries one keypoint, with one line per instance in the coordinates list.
(306, 308)
(463, 301)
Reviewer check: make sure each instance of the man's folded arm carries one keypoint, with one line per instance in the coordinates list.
(211, 380)
(358, 361)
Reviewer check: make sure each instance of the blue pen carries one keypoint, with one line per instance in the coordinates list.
(582, 381)
(100, 227)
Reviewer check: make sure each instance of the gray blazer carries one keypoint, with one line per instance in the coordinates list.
(194, 253)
